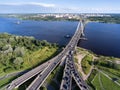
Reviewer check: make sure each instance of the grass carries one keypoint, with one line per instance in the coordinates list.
(59, 76)
(94, 79)
(52, 75)
(81, 50)
(91, 77)
(75, 59)
(86, 63)
(118, 81)
(50, 80)
(32, 60)
(6, 81)
(2, 73)
(39, 56)
(52, 83)
(112, 76)
(43, 88)
(22, 52)
(96, 82)
(110, 70)
(108, 84)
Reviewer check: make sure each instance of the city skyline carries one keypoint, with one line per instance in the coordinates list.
(67, 6)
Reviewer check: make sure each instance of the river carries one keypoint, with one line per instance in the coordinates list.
(103, 38)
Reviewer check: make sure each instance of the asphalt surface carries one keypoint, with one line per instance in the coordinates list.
(45, 69)
(20, 80)
(37, 83)
(67, 78)
(69, 72)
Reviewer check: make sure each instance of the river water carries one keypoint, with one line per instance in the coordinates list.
(102, 38)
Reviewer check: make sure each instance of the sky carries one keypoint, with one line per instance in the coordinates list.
(59, 6)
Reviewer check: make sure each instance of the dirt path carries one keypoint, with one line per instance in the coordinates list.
(92, 67)
(80, 57)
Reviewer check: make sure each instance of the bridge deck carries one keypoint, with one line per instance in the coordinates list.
(35, 85)
(67, 78)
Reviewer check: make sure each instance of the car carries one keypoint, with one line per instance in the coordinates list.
(85, 87)
(8, 86)
(64, 86)
(65, 78)
(81, 85)
(71, 52)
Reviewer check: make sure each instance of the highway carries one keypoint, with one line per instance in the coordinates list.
(69, 72)
(67, 78)
(37, 83)
(20, 80)
(44, 70)
(78, 79)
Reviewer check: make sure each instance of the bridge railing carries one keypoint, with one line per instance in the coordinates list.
(17, 82)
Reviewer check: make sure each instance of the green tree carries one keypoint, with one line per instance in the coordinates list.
(43, 88)
(18, 61)
(45, 43)
(19, 51)
(116, 66)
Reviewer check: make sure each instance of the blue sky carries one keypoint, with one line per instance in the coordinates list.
(61, 6)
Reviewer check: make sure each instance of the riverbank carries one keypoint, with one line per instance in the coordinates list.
(20, 53)
(96, 69)
(111, 19)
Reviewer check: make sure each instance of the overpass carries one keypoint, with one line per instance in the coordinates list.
(20, 80)
(37, 83)
(67, 78)
(76, 76)
(70, 72)
(44, 70)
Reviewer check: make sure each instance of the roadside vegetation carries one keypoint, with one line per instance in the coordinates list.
(5, 81)
(101, 82)
(91, 77)
(105, 74)
(87, 63)
(55, 78)
(27, 83)
(18, 53)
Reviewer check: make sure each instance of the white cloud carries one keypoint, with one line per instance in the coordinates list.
(92, 10)
(57, 8)
(30, 3)
(42, 4)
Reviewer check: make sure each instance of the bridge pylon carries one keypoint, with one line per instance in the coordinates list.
(82, 27)
(83, 20)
